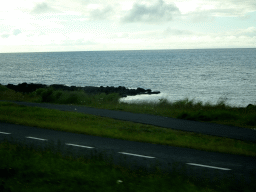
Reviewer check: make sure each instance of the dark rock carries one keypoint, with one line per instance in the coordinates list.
(155, 92)
(59, 87)
(148, 91)
(25, 88)
(251, 107)
(122, 91)
(140, 90)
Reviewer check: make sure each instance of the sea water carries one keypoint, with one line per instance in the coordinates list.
(207, 75)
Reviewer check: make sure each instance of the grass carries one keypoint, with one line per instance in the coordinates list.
(107, 127)
(197, 111)
(26, 168)
(220, 113)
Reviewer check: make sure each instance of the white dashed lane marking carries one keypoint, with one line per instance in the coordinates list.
(88, 147)
(5, 133)
(125, 153)
(137, 155)
(40, 139)
(207, 166)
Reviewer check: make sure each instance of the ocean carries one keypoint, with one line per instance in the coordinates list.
(207, 75)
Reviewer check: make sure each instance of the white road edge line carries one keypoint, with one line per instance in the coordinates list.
(5, 133)
(136, 155)
(36, 138)
(88, 147)
(212, 167)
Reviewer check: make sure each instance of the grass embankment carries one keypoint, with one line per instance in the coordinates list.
(99, 126)
(24, 168)
(106, 127)
(183, 109)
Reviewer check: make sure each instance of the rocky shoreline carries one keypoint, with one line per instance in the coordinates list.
(123, 91)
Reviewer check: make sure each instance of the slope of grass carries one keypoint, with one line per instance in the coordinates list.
(183, 109)
(107, 127)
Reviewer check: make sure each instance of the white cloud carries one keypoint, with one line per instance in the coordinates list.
(5, 35)
(101, 13)
(176, 32)
(249, 32)
(36, 25)
(41, 8)
(16, 32)
(220, 8)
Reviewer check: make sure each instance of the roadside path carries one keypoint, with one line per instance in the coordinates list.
(166, 122)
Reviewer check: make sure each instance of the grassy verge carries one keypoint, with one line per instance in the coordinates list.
(183, 109)
(24, 168)
(106, 127)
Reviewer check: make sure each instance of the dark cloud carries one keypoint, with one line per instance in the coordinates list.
(42, 8)
(158, 12)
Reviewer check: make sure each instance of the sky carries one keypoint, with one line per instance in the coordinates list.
(99, 25)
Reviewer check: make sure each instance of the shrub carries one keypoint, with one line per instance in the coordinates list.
(251, 120)
(58, 94)
(207, 116)
(71, 99)
(47, 95)
(3, 88)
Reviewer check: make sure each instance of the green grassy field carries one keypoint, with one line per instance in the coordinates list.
(26, 168)
(107, 127)
(183, 109)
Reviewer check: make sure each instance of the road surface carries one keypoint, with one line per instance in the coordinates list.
(187, 161)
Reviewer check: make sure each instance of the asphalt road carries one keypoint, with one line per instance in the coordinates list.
(196, 163)
(136, 154)
(178, 124)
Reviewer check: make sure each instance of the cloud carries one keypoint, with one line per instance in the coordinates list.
(249, 32)
(228, 8)
(16, 32)
(200, 16)
(5, 35)
(158, 12)
(101, 13)
(154, 35)
(82, 17)
(207, 11)
(41, 8)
